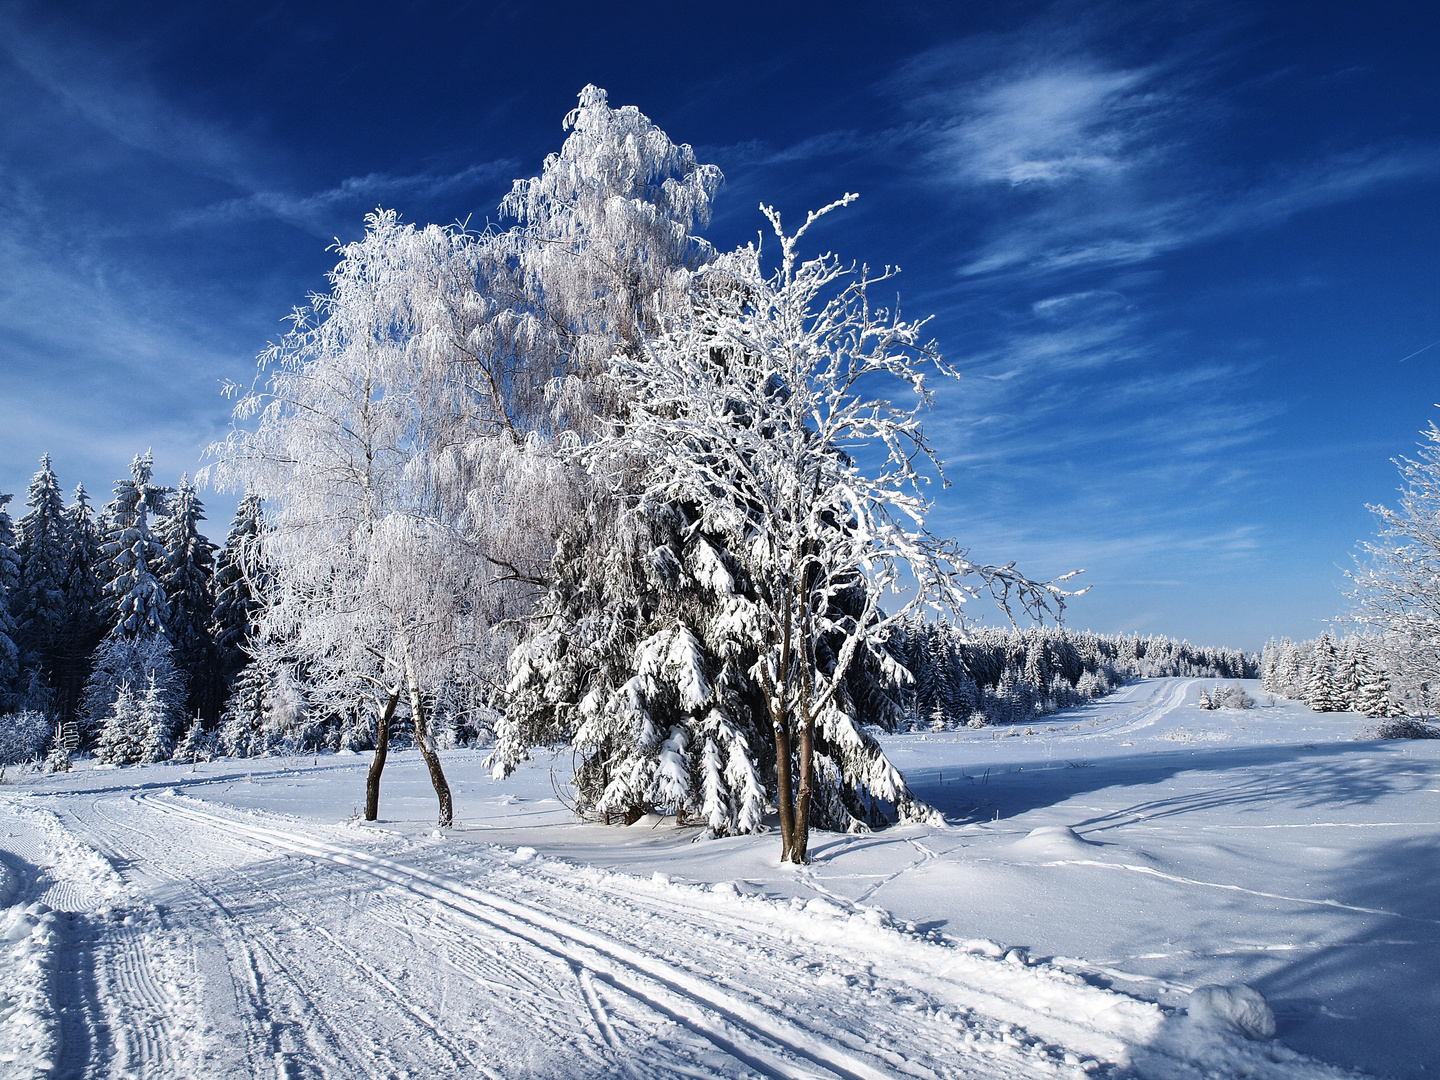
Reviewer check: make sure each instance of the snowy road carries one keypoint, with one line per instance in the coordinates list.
(156, 928)
(224, 944)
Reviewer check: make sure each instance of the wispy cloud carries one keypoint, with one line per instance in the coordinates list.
(316, 213)
(1047, 127)
(1080, 160)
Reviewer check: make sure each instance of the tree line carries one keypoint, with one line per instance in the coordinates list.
(131, 605)
(977, 676)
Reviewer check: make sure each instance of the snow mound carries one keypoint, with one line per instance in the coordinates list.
(1238, 1006)
(1054, 842)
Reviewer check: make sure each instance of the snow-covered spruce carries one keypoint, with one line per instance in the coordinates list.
(644, 666)
(135, 557)
(9, 585)
(187, 577)
(137, 663)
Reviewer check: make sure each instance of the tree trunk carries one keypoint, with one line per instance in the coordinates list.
(422, 739)
(800, 845)
(784, 785)
(382, 748)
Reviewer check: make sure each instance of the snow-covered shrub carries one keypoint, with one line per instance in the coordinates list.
(196, 744)
(1400, 727)
(23, 736)
(1235, 697)
(1225, 697)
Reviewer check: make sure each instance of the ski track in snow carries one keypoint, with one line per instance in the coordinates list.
(190, 938)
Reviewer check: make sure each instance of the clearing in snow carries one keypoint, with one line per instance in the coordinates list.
(1134, 888)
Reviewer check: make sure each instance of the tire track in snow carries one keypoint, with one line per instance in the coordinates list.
(266, 985)
(1150, 710)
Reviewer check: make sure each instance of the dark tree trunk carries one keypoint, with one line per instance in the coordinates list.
(422, 740)
(382, 748)
(784, 786)
(800, 845)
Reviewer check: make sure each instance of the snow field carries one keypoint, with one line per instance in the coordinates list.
(1094, 889)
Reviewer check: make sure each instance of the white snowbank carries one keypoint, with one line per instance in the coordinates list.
(1241, 1007)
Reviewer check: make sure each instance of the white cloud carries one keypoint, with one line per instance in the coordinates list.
(1051, 126)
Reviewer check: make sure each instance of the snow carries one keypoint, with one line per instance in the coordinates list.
(1136, 887)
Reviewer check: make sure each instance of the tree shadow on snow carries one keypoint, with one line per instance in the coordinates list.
(1259, 779)
(1368, 999)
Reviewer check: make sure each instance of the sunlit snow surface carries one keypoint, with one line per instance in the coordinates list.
(232, 920)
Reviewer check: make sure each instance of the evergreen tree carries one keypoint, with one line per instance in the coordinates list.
(131, 662)
(196, 745)
(84, 623)
(138, 603)
(1347, 674)
(42, 549)
(240, 585)
(9, 584)
(121, 740)
(1320, 693)
(187, 576)
(242, 724)
(62, 746)
(644, 667)
(1374, 697)
(152, 724)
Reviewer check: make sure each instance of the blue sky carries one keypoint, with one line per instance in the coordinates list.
(1177, 250)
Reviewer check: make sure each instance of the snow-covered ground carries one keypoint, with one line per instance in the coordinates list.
(235, 918)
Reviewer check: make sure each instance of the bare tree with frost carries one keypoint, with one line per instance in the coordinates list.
(752, 408)
(1397, 580)
(604, 245)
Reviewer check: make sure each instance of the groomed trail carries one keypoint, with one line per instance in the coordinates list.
(166, 935)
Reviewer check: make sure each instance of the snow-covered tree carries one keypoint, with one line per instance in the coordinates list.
(1373, 695)
(23, 735)
(186, 576)
(242, 728)
(240, 583)
(153, 722)
(43, 548)
(134, 556)
(368, 429)
(1321, 694)
(604, 244)
(635, 670)
(196, 744)
(750, 407)
(122, 739)
(132, 662)
(1397, 578)
(9, 586)
(84, 623)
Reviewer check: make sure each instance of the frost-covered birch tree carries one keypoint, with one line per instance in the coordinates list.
(402, 438)
(361, 421)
